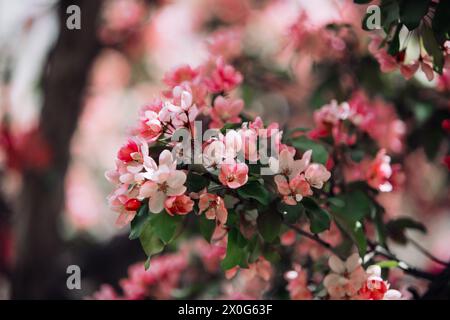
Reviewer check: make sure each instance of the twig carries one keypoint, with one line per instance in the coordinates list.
(428, 254)
(316, 238)
(382, 251)
(377, 249)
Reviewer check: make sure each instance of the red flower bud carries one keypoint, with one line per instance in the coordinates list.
(132, 205)
(126, 151)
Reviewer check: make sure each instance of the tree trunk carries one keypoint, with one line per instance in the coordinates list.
(39, 270)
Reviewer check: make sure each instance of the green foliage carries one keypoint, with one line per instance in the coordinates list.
(389, 264)
(154, 230)
(236, 254)
(206, 227)
(290, 214)
(412, 12)
(139, 222)
(150, 242)
(254, 190)
(319, 218)
(350, 210)
(196, 182)
(166, 226)
(433, 48)
(319, 153)
(269, 225)
(353, 206)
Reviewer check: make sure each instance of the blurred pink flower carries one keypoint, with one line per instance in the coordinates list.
(225, 110)
(298, 284)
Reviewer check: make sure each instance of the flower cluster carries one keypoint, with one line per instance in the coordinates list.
(347, 123)
(156, 283)
(346, 280)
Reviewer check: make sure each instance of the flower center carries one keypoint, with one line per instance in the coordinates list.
(163, 187)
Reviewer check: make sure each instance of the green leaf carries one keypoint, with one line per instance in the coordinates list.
(254, 190)
(196, 182)
(412, 12)
(150, 241)
(388, 264)
(206, 227)
(140, 220)
(357, 155)
(432, 46)
(389, 13)
(319, 153)
(165, 226)
(396, 228)
(254, 249)
(356, 206)
(271, 255)
(318, 217)
(394, 43)
(290, 214)
(147, 264)
(359, 238)
(235, 256)
(269, 225)
(356, 233)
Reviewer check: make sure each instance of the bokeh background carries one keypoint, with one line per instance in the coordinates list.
(69, 97)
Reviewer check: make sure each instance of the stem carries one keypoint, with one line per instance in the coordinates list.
(375, 248)
(382, 251)
(316, 238)
(427, 253)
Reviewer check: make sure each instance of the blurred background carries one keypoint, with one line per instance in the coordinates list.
(69, 97)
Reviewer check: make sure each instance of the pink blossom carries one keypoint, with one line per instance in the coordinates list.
(375, 288)
(180, 75)
(346, 278)
(329, 121)
(181, 111)
(150, 127)
(214, 207)
(157, 282)
(118, 201)
(294, 190)
(287, 166)
(225, 110)
(387, 62)
(128, 151)
(106, 292)
(233, 174)
(379, 172)
(210, 254)
(298, 284)
(225, 43)
(316, 174)
(223, 78)
(288, 238)
(164, 181)
(180, 205)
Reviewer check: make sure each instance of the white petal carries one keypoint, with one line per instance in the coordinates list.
(165, 158)
(374, 270)
(156, 202)
(176, 179)
(336, 264)
(392, 295)
(352, 262)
